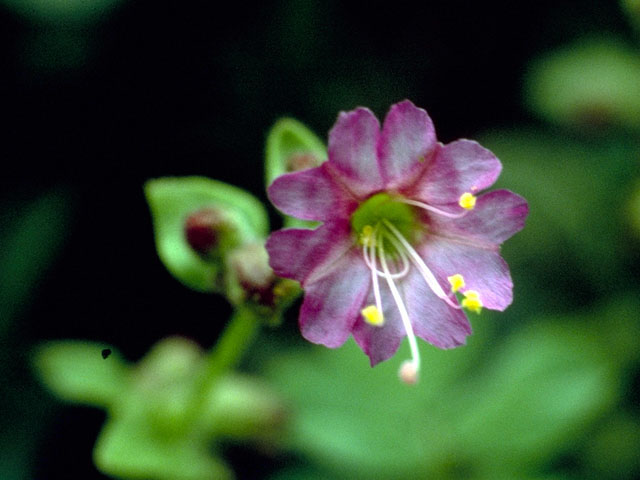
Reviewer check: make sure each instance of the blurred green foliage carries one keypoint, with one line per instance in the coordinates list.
(151, 429)
(542, 391)
(32, 234)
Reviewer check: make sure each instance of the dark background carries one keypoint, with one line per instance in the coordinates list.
(92, 109)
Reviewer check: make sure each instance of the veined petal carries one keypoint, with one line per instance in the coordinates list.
(353, 143)
(497, 216)
(303, 254)
(432, 319)
(408, 139)
(380, 342)
(332, 302)
(458, 167)
(483, 270)
(311, 194)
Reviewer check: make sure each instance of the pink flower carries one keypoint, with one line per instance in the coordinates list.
(403, 235)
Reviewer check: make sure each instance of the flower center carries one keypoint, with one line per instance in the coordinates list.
(386, 227)
(382, 206)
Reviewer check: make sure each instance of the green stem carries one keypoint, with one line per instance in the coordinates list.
(235, 338)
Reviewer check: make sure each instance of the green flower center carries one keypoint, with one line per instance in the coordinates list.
(383, 206)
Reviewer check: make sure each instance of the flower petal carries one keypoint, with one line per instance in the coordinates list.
(458, 167)
(353, 143)
(311, 194)
(332, 302)
(497, 216)
(408, 139)
(432, 318)
(380, 343)
(303, 254)
(483, 270)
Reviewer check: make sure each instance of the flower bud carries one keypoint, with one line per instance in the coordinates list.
(207, 229)
(301, 161)
(251, 280)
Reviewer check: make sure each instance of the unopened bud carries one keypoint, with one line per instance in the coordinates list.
(301, 161)
(251, 280)
(250, 268)
(204, 230)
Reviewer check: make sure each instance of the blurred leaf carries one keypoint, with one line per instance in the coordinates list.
(480, 411)
(614, 450)
(31, 237)
(153, 431)
(291, 146)
(591, 83)
(77, 372)
(576, 194)
(130, 447)
(172, 200)
(634, 209)
(632, 8)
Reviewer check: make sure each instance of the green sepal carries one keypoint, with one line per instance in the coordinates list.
(172, 200)
(591, 83)
(286, 138)
(81, 372)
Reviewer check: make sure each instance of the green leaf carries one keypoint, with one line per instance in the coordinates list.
(591, 83)
(575, 192)
(487, 410)
(289, 139)
(130, 447)
(31, 236)
(77, 372)
(172, 200)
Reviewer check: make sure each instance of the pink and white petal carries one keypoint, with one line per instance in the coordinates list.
(380, 343)
(407, 141)
(432, 318)
(311, 194)
(483, 270)
(497, 216)
(332, 302)
(458, 167)
(353, 144)
(303, 254)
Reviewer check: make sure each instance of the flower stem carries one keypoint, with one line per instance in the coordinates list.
(235, 338)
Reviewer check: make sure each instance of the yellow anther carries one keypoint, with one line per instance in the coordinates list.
(456, 281)
(372, 316)
(367, 236)
(467, 201)
(471, 301)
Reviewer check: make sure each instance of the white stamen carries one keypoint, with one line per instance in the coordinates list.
(413, 345)
(374, 276)
(433, 209)
(422, 267)
(370, 254)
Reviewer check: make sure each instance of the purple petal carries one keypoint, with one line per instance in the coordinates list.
(459, 167)
(497, 216)
(311, 194)
(303, 254)
(380, 343)
(332, 302)
(353, 144)
(483, 270)
(432, 318)
(408, 139)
